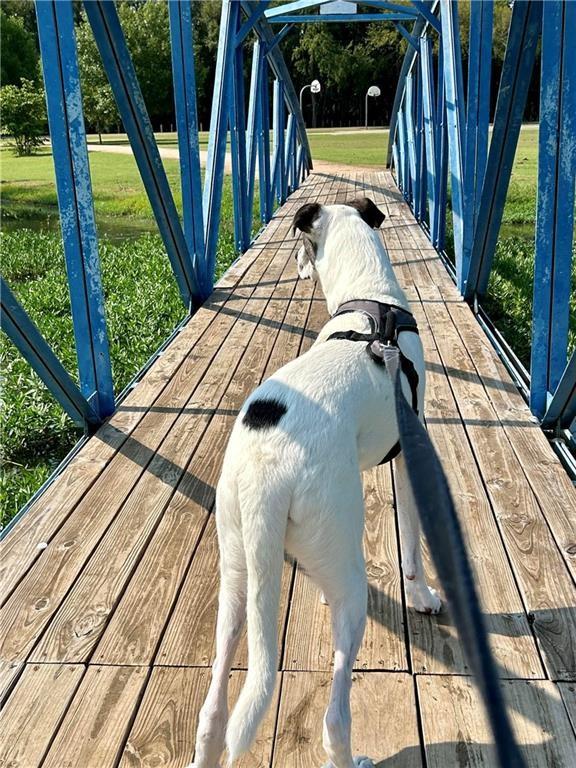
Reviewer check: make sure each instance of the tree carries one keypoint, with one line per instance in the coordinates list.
(23, 115)
(99, 105)
(19, 54)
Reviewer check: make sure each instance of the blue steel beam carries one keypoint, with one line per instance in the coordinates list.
(238, 153)
(561, 410)
(280, 70)
(478, 111)
(514, 83)
(290, 157)
(279, 37)
(221, 107)
(31, 344)
(477, 117)
(454, 91)
(555, 204)
(424, 10)
(300, 5)
(331, 18)
(439, 224)
(420, 151)
(248, 25)
(254, 120)
(183, 69)
(278, 111)
(410, 134)
(417, 29)
(410, 39)
(264, 172)
(118, 65)
(67, 133)
(429, 117)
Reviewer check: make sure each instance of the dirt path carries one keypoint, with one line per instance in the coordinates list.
(172, 153)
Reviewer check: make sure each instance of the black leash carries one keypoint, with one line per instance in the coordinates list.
(442, 530)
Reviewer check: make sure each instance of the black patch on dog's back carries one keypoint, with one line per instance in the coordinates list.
(262, 414)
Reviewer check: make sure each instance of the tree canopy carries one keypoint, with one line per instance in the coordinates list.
(347, 58)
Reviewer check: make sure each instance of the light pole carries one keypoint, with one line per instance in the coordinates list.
(314, 86)
(373, 91)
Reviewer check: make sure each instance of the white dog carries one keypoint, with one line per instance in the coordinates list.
(291, 480)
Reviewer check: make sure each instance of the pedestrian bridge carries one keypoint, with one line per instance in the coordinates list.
(110, 578)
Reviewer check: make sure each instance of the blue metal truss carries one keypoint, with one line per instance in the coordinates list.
(64, 102)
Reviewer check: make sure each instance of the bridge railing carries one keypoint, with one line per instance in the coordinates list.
(442, 154)
(191, 244)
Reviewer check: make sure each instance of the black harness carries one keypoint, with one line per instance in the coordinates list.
(387, 322)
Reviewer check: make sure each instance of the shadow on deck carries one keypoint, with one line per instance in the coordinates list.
(110, 580)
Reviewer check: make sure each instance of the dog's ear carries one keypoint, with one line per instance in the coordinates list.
(305, 217)
(372, 215)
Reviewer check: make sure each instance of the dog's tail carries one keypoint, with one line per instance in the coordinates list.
(264, 516)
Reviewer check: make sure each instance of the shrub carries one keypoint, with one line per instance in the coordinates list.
(23, 115)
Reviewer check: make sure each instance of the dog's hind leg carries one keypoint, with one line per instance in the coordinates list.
(339, 569)
(423, 598)
(213, 717)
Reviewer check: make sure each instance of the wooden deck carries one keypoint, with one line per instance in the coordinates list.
(110, 580)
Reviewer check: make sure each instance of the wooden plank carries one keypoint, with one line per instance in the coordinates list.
(384, 724)
(164, 731)
(39, 594)
(97, 722)
(83, 615)
(456, 731)
(9, 671)
(434, 642)
(309, 638)
(568, 693)
(545, 583)
(34, 711)
(25, 543)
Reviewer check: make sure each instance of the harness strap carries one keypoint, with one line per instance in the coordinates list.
(387, 322)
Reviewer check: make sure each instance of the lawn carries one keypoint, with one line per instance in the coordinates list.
(137, 275)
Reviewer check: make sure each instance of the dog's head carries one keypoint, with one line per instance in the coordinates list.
(313, 220)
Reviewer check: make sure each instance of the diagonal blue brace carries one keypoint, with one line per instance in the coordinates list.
(264, 172)
(279, 117)
(118, 65)
(221, 108)
(67, 132)
(254, 121)
(410, 135)
(30, 342)
(514, 83)
(555, 204)
(561, 410)
(454, 92)
(238, 154)
(183, 69)
(429, 115)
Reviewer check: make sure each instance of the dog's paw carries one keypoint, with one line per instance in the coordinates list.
(323, 599)
(425, 600)
(363, 762)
